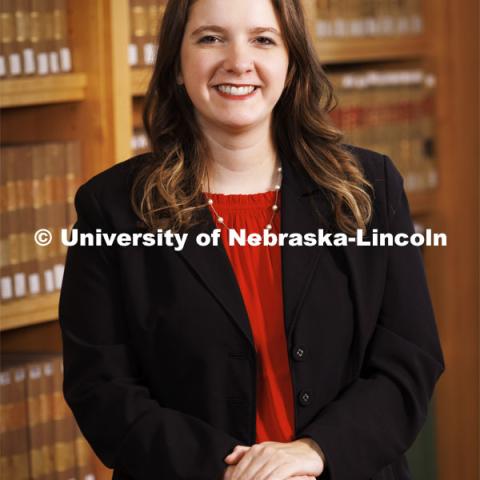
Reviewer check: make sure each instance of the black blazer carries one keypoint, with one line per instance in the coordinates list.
(159, 359)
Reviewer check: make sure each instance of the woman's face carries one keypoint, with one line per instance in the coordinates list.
(225, 44)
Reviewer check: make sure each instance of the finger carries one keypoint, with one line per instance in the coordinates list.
(228, 473)
(251, 462)
(236, 455)
(302, 477)
(287, 472)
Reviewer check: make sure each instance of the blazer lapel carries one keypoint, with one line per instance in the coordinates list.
(212, 264)
(298, 195)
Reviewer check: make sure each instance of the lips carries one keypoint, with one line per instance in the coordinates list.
(236, 91)
(237, 85)
(243, 95)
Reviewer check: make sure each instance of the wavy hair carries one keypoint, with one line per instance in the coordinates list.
(167, 190)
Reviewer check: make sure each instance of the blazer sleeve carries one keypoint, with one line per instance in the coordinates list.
(127, 428)
(372, 422)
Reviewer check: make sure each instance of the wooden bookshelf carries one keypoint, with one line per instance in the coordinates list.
(358, 50)
(29, 311)
(50, 89)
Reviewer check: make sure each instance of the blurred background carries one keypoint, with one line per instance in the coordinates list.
(73, 74)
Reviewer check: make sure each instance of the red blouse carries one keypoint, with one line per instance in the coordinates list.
(258, 272)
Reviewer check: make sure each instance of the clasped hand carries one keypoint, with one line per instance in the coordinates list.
(301, 459)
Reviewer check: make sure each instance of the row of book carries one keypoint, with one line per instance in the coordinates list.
(39, 437)
(391, 112)
(145, 16)
(38, 183)
(34, 38)
(367, 18)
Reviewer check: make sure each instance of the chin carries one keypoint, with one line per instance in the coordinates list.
(238, 126)
(236, 122)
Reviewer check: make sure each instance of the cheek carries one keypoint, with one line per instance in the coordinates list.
(278, 74)
(197, 74)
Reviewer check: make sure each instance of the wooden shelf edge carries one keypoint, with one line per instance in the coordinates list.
(20, 92)
(374, 49)
(29, 311)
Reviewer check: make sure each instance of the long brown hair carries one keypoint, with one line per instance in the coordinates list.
(167, 191)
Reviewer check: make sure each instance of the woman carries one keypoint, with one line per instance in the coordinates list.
(236, 362)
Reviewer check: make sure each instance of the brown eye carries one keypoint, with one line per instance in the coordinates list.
(208, 39)
(266, 41)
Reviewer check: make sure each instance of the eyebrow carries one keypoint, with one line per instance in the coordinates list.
(217, 28)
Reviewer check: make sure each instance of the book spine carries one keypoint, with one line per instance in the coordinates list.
(16, 225)
(6, 285)
(417, 134)
(12, 56)
(368, 17)
(64, 428)
(22, 28)
(337, 14)
(150, 37)
(73, 178)
(51, 47)
(14, 459)
(138, 33)
(3, 38)
(31, 268)
(357, 25)
(28, 53)
(20, 276)
(48, 183)
(38, 25)
(38, 191)
(58, 151)
(34, 390)
(348, 13)
(416, 17)
(61, 44)
(428, 110)
(405, 105)
(403, 27)
(323, 28)
(46, 402)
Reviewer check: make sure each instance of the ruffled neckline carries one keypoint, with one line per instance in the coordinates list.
(244, 200)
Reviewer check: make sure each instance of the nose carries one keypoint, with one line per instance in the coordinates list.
(238, 58)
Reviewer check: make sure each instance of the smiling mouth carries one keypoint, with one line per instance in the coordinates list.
(232, 91)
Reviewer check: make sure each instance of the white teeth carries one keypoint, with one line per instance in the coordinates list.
(236, 90)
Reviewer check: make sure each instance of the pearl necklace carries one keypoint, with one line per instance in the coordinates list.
(274, 206)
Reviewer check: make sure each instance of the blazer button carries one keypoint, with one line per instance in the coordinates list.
(305, 397)
(299, 353)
